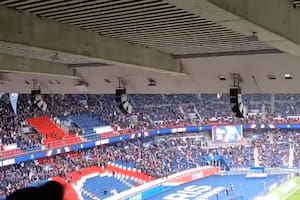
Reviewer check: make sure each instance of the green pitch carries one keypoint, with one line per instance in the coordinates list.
(295, 196)
(289, 190)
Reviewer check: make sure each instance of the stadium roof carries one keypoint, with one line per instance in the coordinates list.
(184, 46)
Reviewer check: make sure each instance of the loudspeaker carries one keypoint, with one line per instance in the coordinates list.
(240, 110)
(233, 93)
(35, 92)
(122, 101)
(237, 105)
(126, 107)
(119, 93)
(243, 110)
(40, 103)
(235, 108)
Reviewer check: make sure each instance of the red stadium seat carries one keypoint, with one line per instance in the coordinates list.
(108, 135)
(46, 127)
(54, 135)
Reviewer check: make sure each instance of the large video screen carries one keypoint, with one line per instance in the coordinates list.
(227, 134)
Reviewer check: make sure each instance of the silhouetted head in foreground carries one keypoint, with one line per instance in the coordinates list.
(49, 191)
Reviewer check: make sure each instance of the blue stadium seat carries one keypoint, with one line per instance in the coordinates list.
(105, 186)
(87, 123)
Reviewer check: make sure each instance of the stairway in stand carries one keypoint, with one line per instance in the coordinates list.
(53, 135)
(46, 127)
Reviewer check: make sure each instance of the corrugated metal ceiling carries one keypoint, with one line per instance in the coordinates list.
(152, 23)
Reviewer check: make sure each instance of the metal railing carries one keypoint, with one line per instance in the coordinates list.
(48, 146)
(57, 144)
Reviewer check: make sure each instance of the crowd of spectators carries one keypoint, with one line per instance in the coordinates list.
(157, 157)
(11, 126)
(277, 148)
(286, 105)
(150, 111)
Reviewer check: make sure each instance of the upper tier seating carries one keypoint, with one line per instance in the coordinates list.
(151, 112)
(87, 124)
(46, 127)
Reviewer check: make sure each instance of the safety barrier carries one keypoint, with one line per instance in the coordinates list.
(188, 175)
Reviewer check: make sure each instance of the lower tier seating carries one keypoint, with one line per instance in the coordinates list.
(105, 185)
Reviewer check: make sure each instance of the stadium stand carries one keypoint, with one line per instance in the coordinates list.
(46, 127)
(86, 123)
(154, 157)
(163, 152)
(151, 112)
(110, 185)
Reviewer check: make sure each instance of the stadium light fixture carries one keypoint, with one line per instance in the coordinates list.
(288, 76)
(151, 82)
(222, 78)
(271, 77)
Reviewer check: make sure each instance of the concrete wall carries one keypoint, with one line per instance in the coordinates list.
(278, 16)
